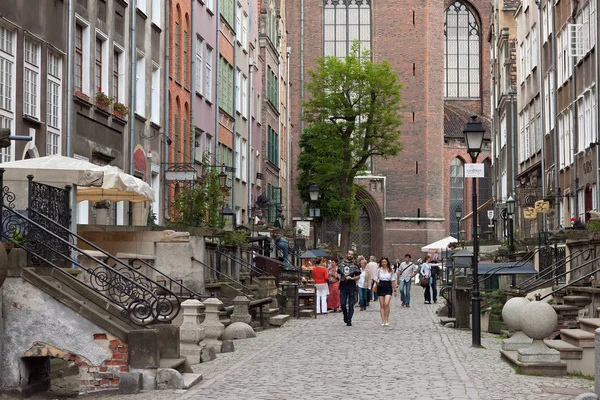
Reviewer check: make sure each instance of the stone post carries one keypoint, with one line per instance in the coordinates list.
(511, 315)
(240, 310)
(212, 325)
(597, 348)
(191, 333)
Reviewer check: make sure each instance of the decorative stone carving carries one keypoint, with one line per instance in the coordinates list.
(173, 236)
(538, 320)
(511, 315)
(212, 325)
(240, 310)
(191, 333)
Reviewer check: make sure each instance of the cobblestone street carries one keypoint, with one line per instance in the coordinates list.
(413, 358)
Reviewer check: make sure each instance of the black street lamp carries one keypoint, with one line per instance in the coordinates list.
(458, 215)
(474, 132)
(223, 179)
(228, 218)
(313, 191)
(510, 209)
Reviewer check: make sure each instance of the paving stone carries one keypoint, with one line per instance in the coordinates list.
(285, 363)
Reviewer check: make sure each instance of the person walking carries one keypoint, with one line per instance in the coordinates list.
(364, 284)
(406, 273)
(320, 275)
(333, 300)
(372, 267)
(396, 265)
(349, 272)
(386, 285)
(435, 272)
(426, 277)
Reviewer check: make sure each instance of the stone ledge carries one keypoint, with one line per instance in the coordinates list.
(279, 320)
(546, 369)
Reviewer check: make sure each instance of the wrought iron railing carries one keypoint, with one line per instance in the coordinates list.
(561, 289)
(555, 272)
(252, 269)
(220, 275)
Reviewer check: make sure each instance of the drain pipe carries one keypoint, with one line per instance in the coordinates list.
(574, 110)
(217, 74)
(132, 89)
(301, 66)
(542, 108)
(597, 60)
(288, 197)
(166, 116)
(250, 154)
(512, 141)
(233, 142)
(69, 143)
(192, 132)
(555, 106)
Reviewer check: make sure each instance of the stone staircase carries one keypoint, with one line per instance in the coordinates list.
(153, 350)
(577, 347)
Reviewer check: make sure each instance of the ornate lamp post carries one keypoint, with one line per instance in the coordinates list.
(510, 209)
(474, 132)
(313, 191)
(458, 215)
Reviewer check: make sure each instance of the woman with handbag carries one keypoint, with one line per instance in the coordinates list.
(386, 285)
(333, 300)
(425, 278)
(320, 275)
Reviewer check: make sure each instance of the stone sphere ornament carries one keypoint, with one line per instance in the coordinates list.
(511, 312)
(538, 320)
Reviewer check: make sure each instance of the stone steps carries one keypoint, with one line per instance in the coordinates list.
(180, 365)
(567, 350)
(190, 380)
(546, 369)
(589, 324)
(279, 320)
(578, 301)
(578, 337)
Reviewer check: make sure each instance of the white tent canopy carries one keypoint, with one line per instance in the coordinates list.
(94, 182)
(439, 245)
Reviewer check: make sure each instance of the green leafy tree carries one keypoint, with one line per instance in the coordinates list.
(200, 204)
(352, 114)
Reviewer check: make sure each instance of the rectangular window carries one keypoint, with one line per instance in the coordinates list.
(199, 65)
(176, 144)
(527, 69)
(156, 14)
(533, 46)
(98, 71)
(227, 11)
(273, 146)
(238, 23)
(31, 79)
(521, 63)
(593, 24)
(226, 87)
(238, 157)
(209, 4)
(594, 194)
(155, 107)
(580, 205)
(7, 72)
(140, 84)
(209, 145)
(545, 24)
(552, 108)
(115, 76)
(244, 160)
(141, 5)
(78, 73)
(244, 96)
(208, 73)
(245, 22)
(258, 111)
(238, 92)
(7, 153)
(53, 107)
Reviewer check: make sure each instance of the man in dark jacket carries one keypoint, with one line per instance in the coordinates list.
(349, 271)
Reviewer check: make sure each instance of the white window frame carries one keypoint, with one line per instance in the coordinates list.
(581, 205)
(122, 96)
(238, 156)
(238, 22)
(155, 94)
(199, 65)
(106, 66)
(244, 96)
(580, 124)
(534, 55)
(244, 162)
(156, 14)
(208, 63)
(594, 194)
(238, 91)
(245, 23)
(54, 104)
(521, 70)
(527, 56)
(545, 24)
(85, 55)
(31, 77)
(141, 5)
(210, 5)
(140, 83)
(7, 72)
(209, 144)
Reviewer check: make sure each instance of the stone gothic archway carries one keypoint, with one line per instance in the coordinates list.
(368, 238)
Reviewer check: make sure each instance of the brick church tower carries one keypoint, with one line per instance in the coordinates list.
(408, 195)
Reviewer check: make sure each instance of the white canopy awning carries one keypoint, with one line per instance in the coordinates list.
(94, 182)
(439, 245)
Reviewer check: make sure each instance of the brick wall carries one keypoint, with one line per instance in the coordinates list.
(107, 375)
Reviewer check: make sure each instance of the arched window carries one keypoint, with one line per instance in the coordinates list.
(345, 22)
(457, 194)
(461, 50)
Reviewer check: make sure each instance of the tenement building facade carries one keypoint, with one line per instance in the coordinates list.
(439, 53)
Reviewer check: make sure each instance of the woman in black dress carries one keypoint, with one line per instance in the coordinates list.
(386, 285)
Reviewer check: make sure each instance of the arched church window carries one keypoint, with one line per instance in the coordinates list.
(457, 194)
(461, 52)
(344, 22)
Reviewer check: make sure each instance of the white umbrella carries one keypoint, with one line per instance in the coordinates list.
(94, 182)
(439, 245)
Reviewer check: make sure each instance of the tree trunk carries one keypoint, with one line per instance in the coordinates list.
(345, 233)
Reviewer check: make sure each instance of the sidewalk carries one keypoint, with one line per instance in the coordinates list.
(413, 358)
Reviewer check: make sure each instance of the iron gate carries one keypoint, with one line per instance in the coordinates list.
(549, 256)
(360, 239)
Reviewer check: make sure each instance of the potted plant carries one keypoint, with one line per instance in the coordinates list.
(120, 110)
(495, 301)
(82, 95)
(103, 101)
